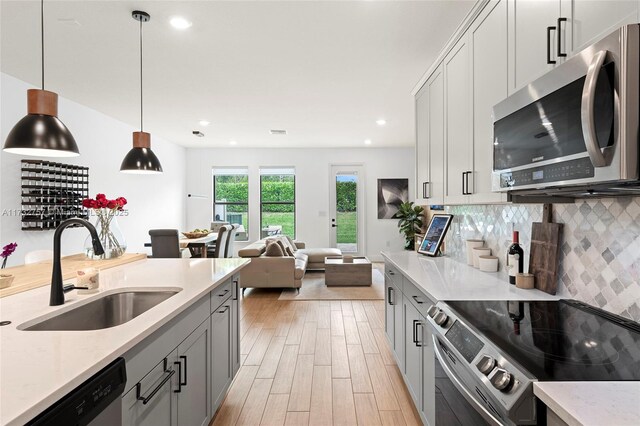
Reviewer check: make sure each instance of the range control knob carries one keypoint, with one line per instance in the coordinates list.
(486, 364)
(502, 379)
(441, 318)
(433, 310)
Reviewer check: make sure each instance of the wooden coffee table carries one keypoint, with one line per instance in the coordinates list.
(339, 273)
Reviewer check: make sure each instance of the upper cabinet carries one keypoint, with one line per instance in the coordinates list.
(502, 47)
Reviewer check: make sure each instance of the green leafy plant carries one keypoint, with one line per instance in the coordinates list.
(410, 222)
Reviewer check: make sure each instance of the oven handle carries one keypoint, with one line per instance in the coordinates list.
(456, 382)
(588, 111)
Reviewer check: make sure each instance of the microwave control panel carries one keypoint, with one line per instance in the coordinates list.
(580, 168)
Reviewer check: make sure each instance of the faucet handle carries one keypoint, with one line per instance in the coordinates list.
(67, 288)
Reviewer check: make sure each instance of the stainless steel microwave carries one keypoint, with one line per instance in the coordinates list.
(574, 131)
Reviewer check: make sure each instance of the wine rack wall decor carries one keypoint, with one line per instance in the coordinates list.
(51, 193)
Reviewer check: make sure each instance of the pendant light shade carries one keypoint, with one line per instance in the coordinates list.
(41, 132)
(140, 159)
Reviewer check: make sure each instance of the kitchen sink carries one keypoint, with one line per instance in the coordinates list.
(107, 311)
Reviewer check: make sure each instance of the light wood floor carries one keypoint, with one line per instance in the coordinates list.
(315, 363)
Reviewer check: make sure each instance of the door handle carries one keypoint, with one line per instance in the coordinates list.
(468, 173)
(333, 225)
(226, 308)
(145, 399)
(418, 301)
(418, 341)
(179, 364)
(184, 358)
(463, 190)
(587, 111)
(234, 293)
(560, 54)
(425, 190)
(415, 339)
(549, 60)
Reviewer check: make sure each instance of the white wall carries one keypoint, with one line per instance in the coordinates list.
(154, 201)
(312, 188)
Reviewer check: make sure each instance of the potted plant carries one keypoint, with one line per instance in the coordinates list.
(6, 279)
(410, 222)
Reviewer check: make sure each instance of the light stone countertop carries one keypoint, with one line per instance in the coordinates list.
(444, 278)
(577, 403)
(592, 403)
(39, 367)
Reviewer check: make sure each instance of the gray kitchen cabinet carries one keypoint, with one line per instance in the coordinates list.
(153, 401)
(428, 375)
(193, 377)
(235, 324)
(393, 323)
(389, 317)
(528, 22)
(457, 82)
(413, 323)
(221, 367)
(489, 47)
(588, 21)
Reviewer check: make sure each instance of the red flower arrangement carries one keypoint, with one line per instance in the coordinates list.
(101, 202)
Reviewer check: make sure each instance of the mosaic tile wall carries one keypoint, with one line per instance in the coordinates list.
(600, 262)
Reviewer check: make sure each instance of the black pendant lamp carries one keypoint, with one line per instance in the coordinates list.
(41, 132)
(141, 159)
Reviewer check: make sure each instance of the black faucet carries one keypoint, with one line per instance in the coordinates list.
(57, 289)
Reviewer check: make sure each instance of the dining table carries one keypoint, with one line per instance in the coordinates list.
(198, 245)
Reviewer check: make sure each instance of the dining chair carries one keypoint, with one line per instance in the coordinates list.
(221, 241)
(231, 239)
(36, 256)
(165, 243)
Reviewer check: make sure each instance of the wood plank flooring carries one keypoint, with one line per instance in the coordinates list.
(315, 363)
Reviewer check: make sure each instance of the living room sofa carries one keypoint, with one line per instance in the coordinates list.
(281, 271)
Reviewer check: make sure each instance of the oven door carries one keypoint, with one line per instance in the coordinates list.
(576, 125)
(457, 398)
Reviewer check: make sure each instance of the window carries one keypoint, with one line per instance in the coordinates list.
(277, 202)
(231, 198)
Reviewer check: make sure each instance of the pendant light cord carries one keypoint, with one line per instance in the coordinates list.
(42, 38)
(141, 103)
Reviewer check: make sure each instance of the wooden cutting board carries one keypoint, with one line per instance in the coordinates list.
(544, 257)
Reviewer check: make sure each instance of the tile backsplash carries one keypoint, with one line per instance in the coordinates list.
(600, 259)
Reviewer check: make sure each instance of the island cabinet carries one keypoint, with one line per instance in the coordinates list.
(180, 374)
(412, 340)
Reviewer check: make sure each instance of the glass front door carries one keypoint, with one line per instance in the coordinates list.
(347, 215)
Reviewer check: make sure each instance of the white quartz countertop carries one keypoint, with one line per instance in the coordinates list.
(444, 278)
(592, 403)
(39, 367)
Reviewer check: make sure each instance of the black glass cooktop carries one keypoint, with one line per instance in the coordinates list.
(563, 340)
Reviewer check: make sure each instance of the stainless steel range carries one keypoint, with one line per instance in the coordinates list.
(493, 351)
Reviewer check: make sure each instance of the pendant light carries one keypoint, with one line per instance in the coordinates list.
(41, 132)
(140, 159)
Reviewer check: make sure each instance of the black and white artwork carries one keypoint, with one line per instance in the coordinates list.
(391, 193)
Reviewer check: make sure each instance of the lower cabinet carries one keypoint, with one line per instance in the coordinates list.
(186, 386)
(413, 325)
(394, 320)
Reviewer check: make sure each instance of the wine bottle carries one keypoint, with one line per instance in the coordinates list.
(515, 258)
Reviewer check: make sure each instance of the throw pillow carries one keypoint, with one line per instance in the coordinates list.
(293, 245)
(283, 247)
(273, 250)
(290, 252)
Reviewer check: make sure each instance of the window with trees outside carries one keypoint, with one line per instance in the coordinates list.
(277, 202)
(231, 199)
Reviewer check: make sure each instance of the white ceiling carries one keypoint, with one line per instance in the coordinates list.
(323, 70)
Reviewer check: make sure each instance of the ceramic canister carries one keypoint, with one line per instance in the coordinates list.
(480, 251)
(471, 244)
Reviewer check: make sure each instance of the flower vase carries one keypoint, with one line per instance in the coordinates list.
(110, 235)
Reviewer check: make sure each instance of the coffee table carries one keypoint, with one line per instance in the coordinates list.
(339, 273)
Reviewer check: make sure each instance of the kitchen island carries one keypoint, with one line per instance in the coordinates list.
(37, 368)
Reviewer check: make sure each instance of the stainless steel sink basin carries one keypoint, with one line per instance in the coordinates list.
(105, 312)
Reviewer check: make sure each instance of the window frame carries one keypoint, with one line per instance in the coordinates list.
(295, 210)
(232, 203)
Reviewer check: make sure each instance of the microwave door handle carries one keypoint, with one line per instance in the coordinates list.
(482, 410)
(587, 113)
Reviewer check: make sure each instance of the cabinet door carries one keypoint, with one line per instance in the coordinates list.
(428, 375)
(588, 21)
(529, 20)
(489, 58)
(389, 326)
(422, 142)
(436, 137)
(235, 325)
(413, 323)
(220, 352)
(194, 370)
(398, 326)
(157, 387)
(457, 74)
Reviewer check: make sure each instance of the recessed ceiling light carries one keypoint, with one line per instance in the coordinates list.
(381, 122)
(367, 141)
(232, 142)
(204, 123)
(180, 23)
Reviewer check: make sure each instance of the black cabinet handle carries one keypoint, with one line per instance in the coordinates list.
(389, 295)
(333, 225)
(418, 301)
(145, 399)
(549, 60)
(418, 342)
(560, 54)
(463, 176)
(226, 308)
(425, 189)
(467, 174)
(179, 364)
(234, 294)
(184, 358)
(415, 340)
(224, 293)
(465, 183)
